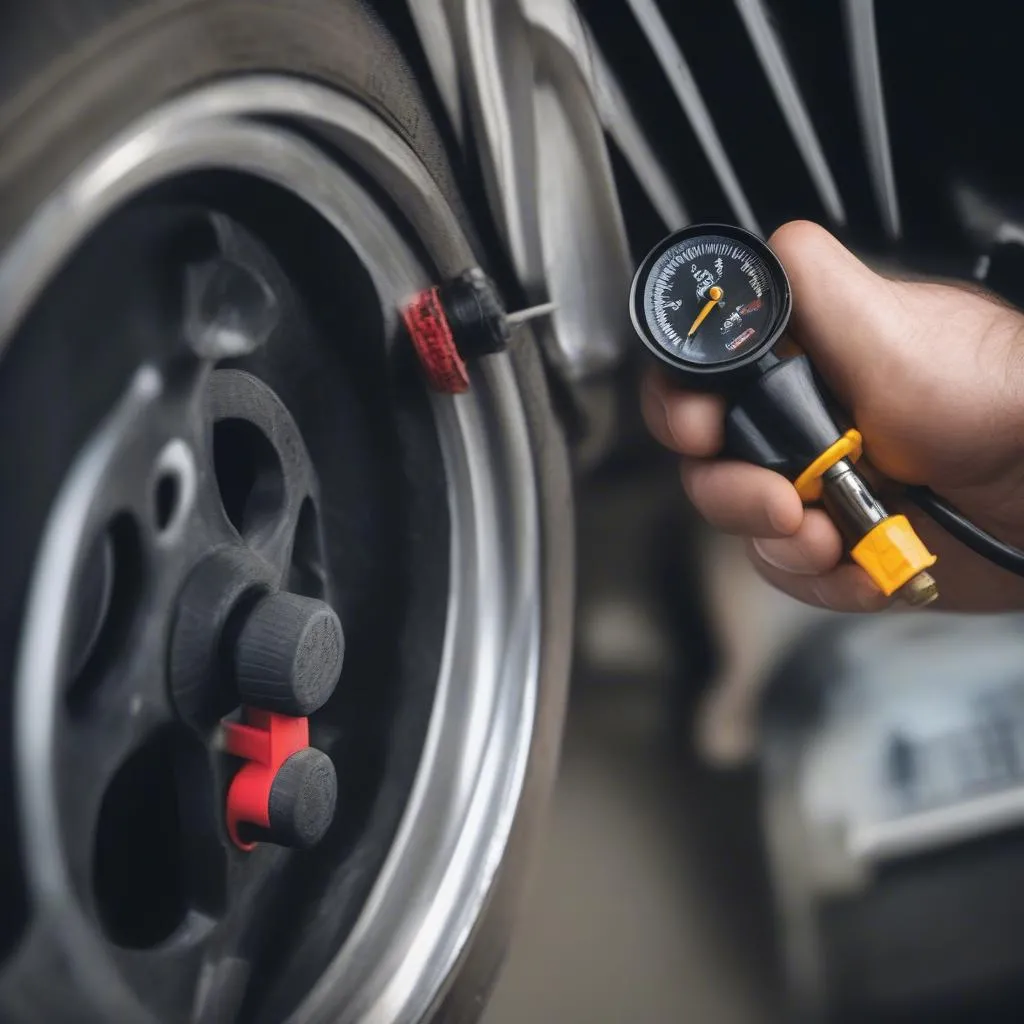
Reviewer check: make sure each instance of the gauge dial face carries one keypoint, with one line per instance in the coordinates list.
(710, 298)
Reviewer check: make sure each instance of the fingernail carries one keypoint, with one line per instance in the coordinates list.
(780, 520)
(785, 556)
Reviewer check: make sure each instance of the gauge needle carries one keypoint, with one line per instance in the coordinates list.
(715, 295)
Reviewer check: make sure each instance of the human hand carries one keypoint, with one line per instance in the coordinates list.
(932, 375)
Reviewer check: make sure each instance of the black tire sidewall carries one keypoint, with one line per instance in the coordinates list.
(91, 67)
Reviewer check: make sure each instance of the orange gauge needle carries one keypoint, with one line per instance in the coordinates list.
(715, 296)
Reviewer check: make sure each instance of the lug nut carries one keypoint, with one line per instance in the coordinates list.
(286, 791)
(303, 797)
(288, 654)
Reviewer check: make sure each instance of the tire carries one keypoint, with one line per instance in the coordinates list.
(72, 74)
(75, 72)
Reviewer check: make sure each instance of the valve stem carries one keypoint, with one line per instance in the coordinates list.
(522, 316)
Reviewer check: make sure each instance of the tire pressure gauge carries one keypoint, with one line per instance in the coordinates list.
(711, 300)
(710, 303)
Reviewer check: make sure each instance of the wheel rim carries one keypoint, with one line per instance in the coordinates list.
(437, 874)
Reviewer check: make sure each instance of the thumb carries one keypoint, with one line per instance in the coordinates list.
(843, 312)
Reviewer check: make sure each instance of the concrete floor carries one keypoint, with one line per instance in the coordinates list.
(648, 904)
(620, 924)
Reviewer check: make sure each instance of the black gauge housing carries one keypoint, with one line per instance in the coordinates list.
(676, 280)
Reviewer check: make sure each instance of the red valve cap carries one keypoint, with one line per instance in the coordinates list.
(434, 342)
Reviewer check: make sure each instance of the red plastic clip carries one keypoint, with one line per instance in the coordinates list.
(266, 740)
(435, 346)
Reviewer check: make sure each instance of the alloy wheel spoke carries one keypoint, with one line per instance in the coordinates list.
(260, 465)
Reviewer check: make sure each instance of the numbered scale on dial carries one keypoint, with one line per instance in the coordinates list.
(710, 299)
